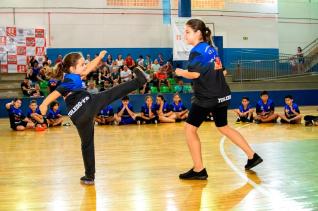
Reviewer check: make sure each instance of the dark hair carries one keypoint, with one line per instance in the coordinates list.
(289, 96)
(32, 101)
(161, 97)
(69, 60)
(45, 63)
(245, 98)
(125, 98)
(264, 93)
(177, 94)
(54, 103)
(199, 25)
(16, 99)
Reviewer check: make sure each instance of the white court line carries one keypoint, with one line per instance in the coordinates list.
(278, 201)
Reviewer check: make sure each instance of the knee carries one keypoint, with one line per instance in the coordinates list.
(190, 129)
(223, 129)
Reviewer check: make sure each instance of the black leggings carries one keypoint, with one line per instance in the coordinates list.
(83, 118)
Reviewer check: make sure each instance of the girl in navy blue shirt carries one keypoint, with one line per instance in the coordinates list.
(211, 94)
(82, 106)
(165, 114)
(148, 112)
(178, 108)
(54, 116)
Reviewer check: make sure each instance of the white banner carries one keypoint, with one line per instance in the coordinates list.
(180, 49)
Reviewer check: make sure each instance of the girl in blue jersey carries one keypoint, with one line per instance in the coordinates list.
(291, 112)
(18, 121)
(82, 106)
(211, 94)
(178, 108)
(148, 113)
(244, 112)
(165, 114)
(54, 116)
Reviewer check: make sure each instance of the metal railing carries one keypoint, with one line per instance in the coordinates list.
(271, 69)
(286, 65)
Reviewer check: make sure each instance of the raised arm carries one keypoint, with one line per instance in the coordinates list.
(52, 97)
(187, 74)
(93, 64)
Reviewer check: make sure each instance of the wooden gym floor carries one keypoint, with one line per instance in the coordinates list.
(138, 167)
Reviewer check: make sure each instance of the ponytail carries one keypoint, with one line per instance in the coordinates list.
(207, 36)
(199, 25)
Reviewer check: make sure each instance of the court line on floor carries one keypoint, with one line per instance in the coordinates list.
(270, 194)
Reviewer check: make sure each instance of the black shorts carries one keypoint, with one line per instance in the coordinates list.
(15, 125)
(198, 114)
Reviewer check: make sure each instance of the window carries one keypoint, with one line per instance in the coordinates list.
(134, 3)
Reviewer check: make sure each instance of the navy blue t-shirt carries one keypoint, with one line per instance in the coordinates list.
(53, 114)
(243, 110)
(210, 88)
(178, 107)
(108, 111)
(29, 112)
(15, 115)
(288, 111)
(145, 110)
(165, 109)
(265, 108)
(125, 113)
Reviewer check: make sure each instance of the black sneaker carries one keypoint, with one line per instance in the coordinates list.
(253, 162)
(142, 77)
(238, 121)
(87, 180)
(192, 175)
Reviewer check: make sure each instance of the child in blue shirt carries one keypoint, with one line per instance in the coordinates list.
(178, 108)
(125, 114)
(34, 114)
(54, 116)
(105, 116)
(265, 109)
(291, 112)
(18, 121)
(166, 115)
(244, 112)
(148, 112)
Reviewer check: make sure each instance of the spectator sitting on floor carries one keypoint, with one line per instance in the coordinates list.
(148, 112)
(125, 113)
(291, 112)
(178, 108)
(166, 115)
(92, 87)
(105, 116)
(18, 121)
(245, 112)
(34, 114)
(54, 116)
(265, 109)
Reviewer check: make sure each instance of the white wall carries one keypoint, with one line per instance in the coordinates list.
(297, 25)
(114, 29)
